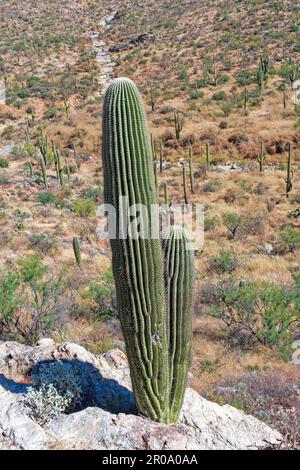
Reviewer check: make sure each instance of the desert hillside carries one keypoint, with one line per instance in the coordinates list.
(219, 84)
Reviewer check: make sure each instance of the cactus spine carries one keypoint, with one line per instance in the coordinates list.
(138, 265)
(77, 252)
(180, 268)
(261, 158)
(191, 169)
(290, 174)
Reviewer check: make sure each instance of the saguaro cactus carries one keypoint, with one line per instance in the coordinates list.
(261, 158)
(44, 174)
(57, 163)
(207, 155)
(290, 174)
(137, 262)
(43, 146)
(77, 252)
(246, 99)
(180, 268)
(178, 124)
(191, 169)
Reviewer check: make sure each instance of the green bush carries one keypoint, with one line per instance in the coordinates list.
(3, 163)
(100, 296)
(290, 237)
(46, 198)
(268, 312)
(225, 262)
(29, 300)
(85, 207)
(233, 222)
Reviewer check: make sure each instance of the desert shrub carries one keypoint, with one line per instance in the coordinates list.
(46, 198)
(233, 222)
(237, 138)
(212, 186)
(43, 243)
(246, 186)
(261, 189)
(219, 96)
(3, 163)
(272, 396)
(45, 403)
(268, 312)
(210, 223)
(94, 194)
(4, 180)
(85, 207)
(225, 262)
(7, 132)
(100, 296)
(245, 77)
(289, 237)
(67, 377)
(253, 225)
(29, 300)
(226, 107)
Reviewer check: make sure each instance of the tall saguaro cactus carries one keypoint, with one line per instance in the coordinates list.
(138, 264)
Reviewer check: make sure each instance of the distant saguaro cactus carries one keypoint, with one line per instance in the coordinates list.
(44, 174)
(290, 174)
(158, 362)
(77, 251)
(178, 124)
(191, 169)
(261, 157)
(207, 155)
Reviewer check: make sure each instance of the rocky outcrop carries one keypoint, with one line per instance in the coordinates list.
(111, 422)
(131, 42)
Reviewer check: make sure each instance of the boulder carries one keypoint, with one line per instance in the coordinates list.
(112, 422)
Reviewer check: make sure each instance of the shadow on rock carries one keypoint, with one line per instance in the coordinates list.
(95, 390)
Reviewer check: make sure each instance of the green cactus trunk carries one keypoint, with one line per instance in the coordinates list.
(289, 176)
(180, 280)
(261, 158)
(44, 174)
(186, 200)
(207, 155)
(191, 169)
(77, 252)
(137, 263)
(166, 197)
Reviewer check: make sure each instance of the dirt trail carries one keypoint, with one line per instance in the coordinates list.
(103, 57)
